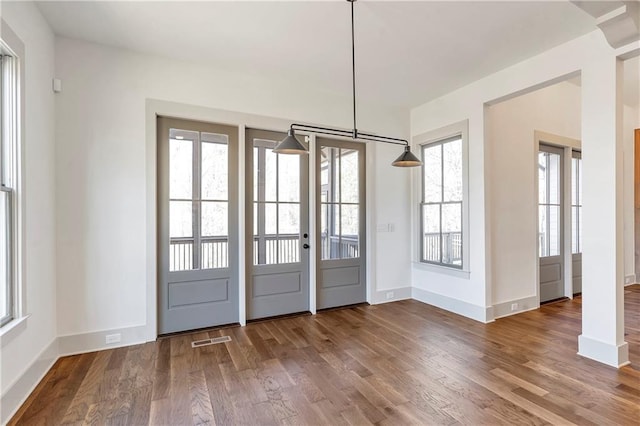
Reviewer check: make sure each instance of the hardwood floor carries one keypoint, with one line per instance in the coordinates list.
(398, 363)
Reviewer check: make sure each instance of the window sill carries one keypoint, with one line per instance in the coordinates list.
(454, 272)
(12, 329)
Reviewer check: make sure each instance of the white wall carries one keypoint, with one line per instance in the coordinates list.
(510, 134)
(101, 161)
(24, 345)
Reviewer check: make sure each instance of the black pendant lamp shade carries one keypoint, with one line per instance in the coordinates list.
(407, 159)
(290, 145)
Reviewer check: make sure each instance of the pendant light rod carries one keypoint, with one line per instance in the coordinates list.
(348, 133)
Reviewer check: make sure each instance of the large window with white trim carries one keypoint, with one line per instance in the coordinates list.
(442, 198)
(8, 177)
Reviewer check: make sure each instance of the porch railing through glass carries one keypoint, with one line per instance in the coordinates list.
(214, 252)
(451, 247)
(334, 247)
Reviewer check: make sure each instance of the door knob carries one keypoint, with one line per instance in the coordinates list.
(305, 246)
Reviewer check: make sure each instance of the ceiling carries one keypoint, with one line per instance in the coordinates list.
(406, 52)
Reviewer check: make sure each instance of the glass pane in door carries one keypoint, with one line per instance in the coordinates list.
(198, 200)
(276, 196)
(180, 168)
(576, 203)
(549, 216)
(214, 211)
(340, 208)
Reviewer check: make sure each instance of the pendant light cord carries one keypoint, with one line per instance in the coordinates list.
(353, 70)
(290, 145)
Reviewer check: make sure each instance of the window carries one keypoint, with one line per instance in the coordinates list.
(8, 165)
(442, 198)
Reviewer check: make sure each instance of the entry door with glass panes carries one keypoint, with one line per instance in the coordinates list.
(550, 247)
(277, 228)
(576, 221)
(340, 174)
(197, 225)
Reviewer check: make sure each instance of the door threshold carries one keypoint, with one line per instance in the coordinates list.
(559, 299)
(277, 317)
(355, 305)
(198, 330)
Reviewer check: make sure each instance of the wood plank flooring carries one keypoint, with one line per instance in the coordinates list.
(399, 363)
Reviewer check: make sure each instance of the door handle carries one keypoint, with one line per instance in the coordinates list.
(305, 246)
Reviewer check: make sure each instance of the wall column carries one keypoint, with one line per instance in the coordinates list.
(602, 337)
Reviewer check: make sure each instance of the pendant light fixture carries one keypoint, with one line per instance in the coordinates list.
(291, 144)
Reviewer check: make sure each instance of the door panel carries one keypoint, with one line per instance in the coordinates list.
(277, 228)
(197, 210)
(340, 174)
(550, 247)
(577, 273)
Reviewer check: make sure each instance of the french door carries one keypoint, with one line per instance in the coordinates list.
(197, 226)
(550, 224)
(576, 221)
(277, 206)
(340, 175)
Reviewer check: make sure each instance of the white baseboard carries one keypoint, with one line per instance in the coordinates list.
(630, 280)
(391, 295)
(13, 398)
(503, 309)
(95, 341)
(614, 355)
(475, 312)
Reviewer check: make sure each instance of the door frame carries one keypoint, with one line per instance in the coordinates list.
(567, 144)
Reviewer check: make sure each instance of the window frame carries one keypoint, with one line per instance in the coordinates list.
(441, 136)
(11, 169)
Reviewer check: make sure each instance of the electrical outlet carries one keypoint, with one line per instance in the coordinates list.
(112, 338)
(389, 295)
(514, 306)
